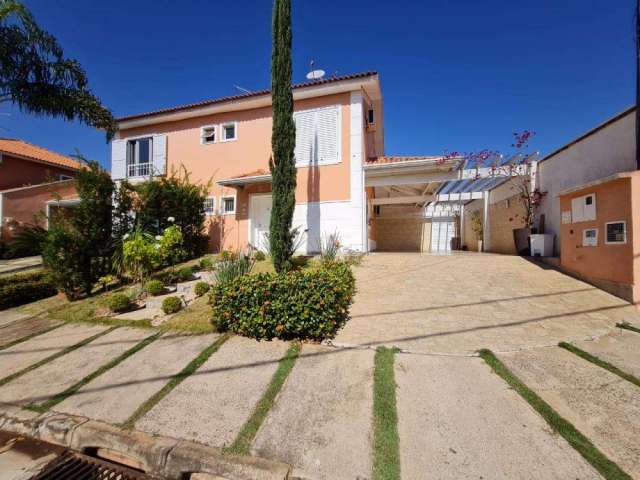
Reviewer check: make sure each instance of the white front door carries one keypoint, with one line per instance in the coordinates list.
(260, 215)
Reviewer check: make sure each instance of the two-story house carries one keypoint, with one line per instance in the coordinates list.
(226, 143)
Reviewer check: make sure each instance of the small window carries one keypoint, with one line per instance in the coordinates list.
(376, 210)
(139, 157)
(588, 200)
(229, 132)
(371, 116)
(62, 176)
(208, 135)
(228, 205)
(616, 233)
(210, 205)
(590, 237)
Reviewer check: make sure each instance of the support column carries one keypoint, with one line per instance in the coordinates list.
(486, 225)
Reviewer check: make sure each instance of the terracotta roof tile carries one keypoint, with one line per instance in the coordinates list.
(399, 159)
(205, 103)
(27, 150)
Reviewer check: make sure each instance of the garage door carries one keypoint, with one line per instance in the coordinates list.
(442, 231)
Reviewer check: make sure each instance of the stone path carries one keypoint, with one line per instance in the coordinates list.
(220, 396)
(21, 329)
(468, 301)
(322, 421)
(115, 396)
(620, 348)
(20, 356)
(60, 374)
(601, 405)
(457, 420)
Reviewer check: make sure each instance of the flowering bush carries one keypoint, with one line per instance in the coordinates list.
(312, 303)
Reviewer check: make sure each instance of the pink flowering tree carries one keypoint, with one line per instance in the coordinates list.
(518, 164)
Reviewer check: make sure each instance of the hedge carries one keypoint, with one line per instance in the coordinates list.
(21, 288)
(305, 304)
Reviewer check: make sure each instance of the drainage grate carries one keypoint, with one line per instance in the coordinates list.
(75, 466)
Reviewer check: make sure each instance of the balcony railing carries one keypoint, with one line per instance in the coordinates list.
(139, 170)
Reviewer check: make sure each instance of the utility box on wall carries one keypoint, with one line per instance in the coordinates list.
(541, 244)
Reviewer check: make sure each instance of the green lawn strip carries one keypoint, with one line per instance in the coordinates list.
(175, 381)
(242, 443)
(607, 468)
(601, 363)
(386, 451)
(30, 336)
(628, 326)
(56, 355)
(60, 397)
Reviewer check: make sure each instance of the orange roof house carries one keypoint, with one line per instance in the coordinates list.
(33, 180)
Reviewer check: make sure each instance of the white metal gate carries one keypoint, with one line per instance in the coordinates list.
(442, 231)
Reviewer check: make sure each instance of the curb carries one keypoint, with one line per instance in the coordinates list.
(167, 457)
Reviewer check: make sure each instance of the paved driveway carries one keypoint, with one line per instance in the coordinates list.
(460, 303)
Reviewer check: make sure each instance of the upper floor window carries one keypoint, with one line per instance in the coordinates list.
(210, 205)
(139, 157)
(228, 205)
(208, 134)
(229, 131)
(318, 139)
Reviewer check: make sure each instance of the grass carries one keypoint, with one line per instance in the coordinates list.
(56, 355)
(263, 266)
(628, 326)
(601, 363)
(175, 381)
(42, 306)
(60, 397)
(195, 318)
(242, 443)
(386, 451)
(608, 469)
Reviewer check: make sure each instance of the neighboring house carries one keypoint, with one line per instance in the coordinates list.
(34, 182)
(345, 182)
(592, 206)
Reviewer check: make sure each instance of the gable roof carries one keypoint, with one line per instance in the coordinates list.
(28, 151)
(214, 101)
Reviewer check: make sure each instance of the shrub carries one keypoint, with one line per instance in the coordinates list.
(206, 263)
(27, 242)
(185, 274)
(140, 255)
(171, 305)
(329, 247)
(201, 288)
(118, 302)
(260, 256)
(154, 287)
(312, 303)
(231, 269)
(226, 255)
(66, 255)
(16, 290)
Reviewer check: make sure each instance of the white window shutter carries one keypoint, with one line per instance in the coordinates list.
(327, 125)
(118, 159)
(159, 154)
(577, 209)
(305, 126)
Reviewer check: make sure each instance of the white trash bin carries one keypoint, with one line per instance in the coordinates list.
(541, 244)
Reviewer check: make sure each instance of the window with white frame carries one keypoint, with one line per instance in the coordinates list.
(210, 205)
(228, 205)
(583, 209)
(590, 237)
(229, 131)
(139, 153)
(208, 134)
(616, 233)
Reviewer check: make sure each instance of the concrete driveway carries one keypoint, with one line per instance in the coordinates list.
(457, 304)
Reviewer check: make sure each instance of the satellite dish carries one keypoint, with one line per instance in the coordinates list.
(315, 74)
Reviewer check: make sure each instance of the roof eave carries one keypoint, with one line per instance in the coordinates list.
(369, 83)
(238, 182)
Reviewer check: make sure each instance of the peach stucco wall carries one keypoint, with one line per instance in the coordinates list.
(17, 172)
(28, 206)
(207, 164)
(608, 263)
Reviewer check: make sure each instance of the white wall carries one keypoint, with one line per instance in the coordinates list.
(603, 153)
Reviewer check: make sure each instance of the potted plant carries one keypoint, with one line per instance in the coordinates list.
(477, 228)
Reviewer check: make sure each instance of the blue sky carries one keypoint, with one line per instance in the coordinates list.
(456, 74)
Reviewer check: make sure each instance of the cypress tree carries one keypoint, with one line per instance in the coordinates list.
(283, 139)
